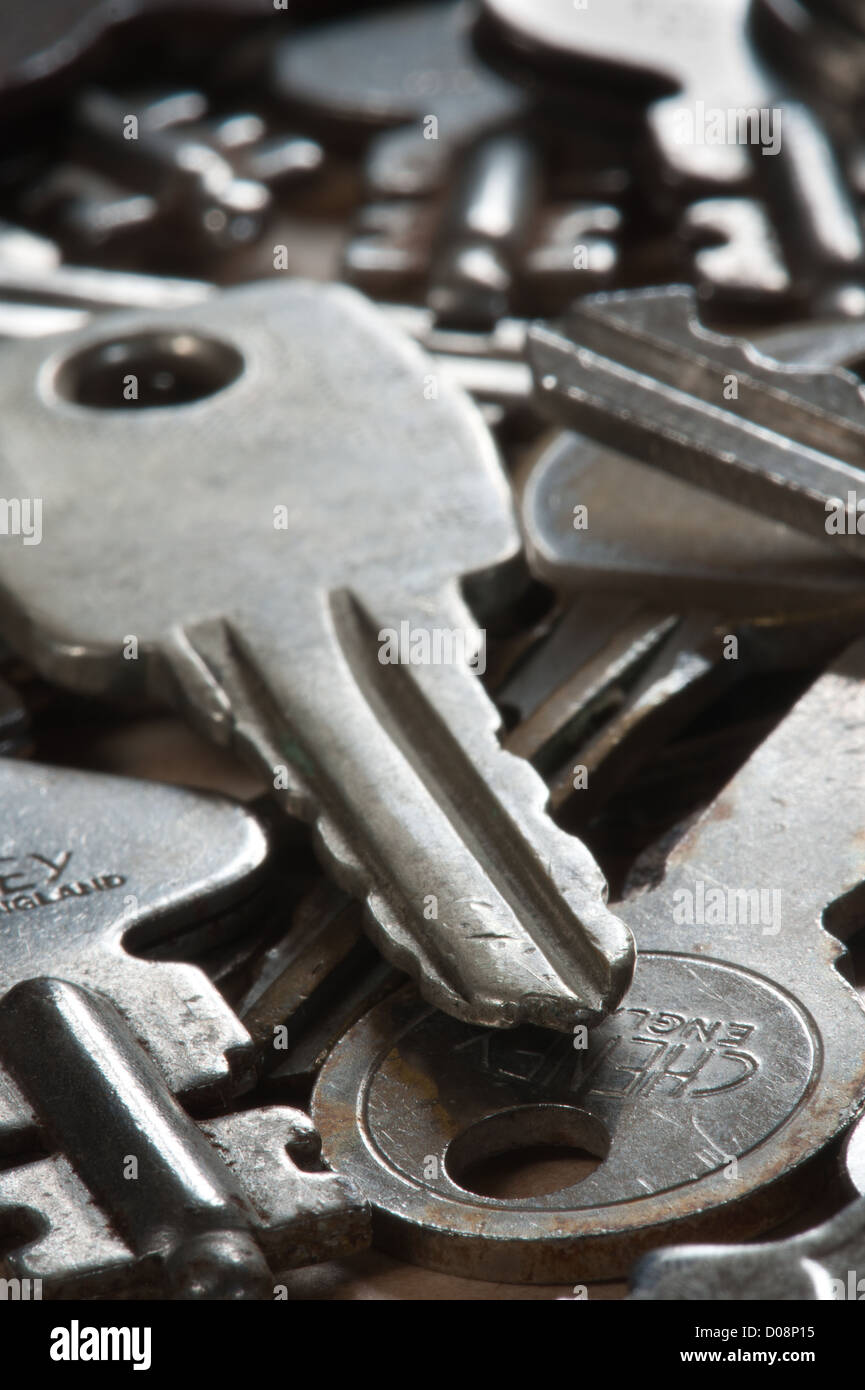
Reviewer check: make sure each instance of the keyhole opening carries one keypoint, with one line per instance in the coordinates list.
(529, 1151)
(147, 371)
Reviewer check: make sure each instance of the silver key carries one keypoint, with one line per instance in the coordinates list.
(677, 543)
(736, 1056)
(90, 865)
(669, 540)
(202, 1212)
(638, 372)
(646, 53)
(388, 499)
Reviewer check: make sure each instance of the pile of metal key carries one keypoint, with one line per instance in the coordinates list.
(433, 432)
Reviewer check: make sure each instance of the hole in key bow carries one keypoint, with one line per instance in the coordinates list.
(147, 370)
(528, 1151)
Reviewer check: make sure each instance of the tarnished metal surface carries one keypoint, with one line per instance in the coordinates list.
(244, 491)
(212, 1210)
(738, 1053)
(649, 530)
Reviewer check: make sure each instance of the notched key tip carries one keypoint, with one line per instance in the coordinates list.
(579, 999)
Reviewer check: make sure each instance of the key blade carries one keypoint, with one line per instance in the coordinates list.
(710, 1096)
(639, 373)
(470, 888)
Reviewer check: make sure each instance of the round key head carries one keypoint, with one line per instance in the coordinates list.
(651, 1111)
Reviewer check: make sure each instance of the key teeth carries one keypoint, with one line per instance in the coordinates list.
(557, 1010)
(582, 887)
(65, 1240)
(202, 1049)
(302, 1215)
(536, 977)
(397, 945)
(520, 788)
(389, 936)
(299, 1216)
(673, 313)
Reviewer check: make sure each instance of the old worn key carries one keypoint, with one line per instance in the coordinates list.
(285, 546)
(200, 1212)
(736, 1056)
(91, 865)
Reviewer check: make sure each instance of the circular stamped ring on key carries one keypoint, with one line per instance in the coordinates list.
(699, 1067)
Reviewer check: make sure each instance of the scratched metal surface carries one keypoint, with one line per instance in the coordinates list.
(333, 226)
